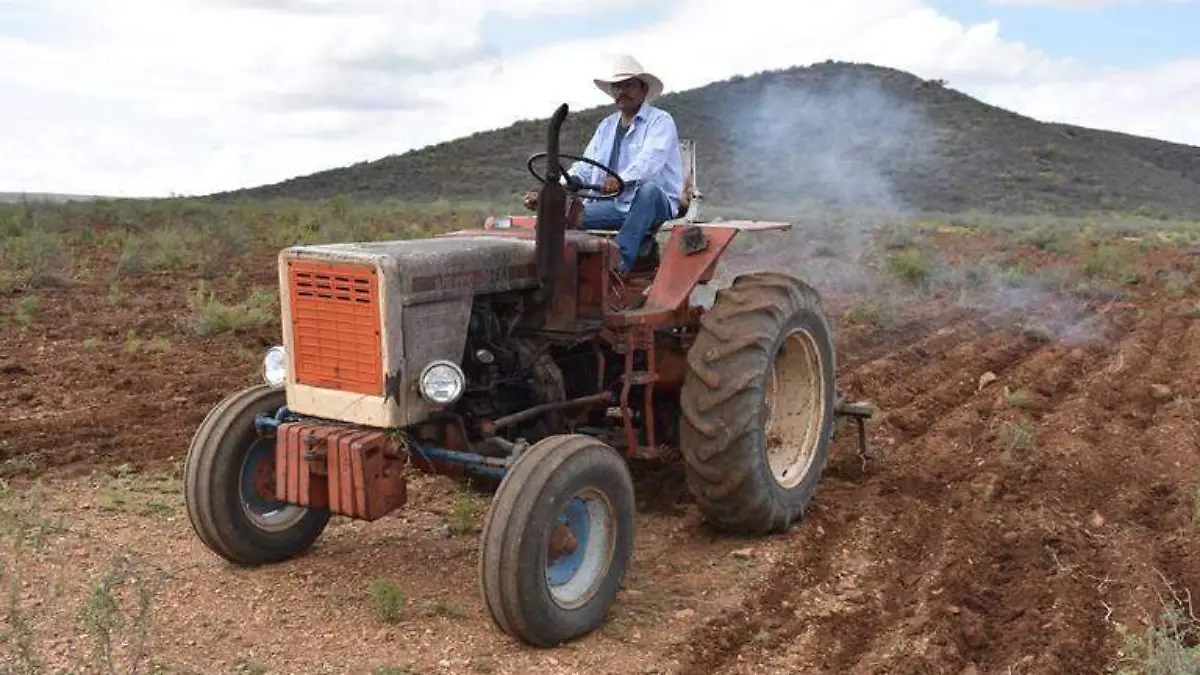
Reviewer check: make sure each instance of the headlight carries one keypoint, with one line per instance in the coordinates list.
(442, 382)
(275, 366)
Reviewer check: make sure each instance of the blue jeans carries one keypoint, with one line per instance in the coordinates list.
(649, 207)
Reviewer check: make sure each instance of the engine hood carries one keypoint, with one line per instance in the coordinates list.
(419, 271)
(358, 339)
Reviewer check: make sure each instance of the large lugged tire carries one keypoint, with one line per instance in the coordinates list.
(546, 597)
(228, 512)
(758, 403)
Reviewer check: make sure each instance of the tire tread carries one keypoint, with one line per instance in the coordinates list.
(206, 486)
(721, 440)
(520, 495)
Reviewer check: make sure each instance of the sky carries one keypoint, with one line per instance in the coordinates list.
(145, 98)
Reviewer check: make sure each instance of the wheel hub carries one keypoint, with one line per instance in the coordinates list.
(562, 542)
(263, 480)
(259, 502)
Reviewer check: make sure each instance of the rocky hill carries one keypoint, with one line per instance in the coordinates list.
(837, 132)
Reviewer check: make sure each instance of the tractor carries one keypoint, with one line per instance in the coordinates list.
(516, 354)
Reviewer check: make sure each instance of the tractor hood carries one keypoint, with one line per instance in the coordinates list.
(361, 321)
(418, 271)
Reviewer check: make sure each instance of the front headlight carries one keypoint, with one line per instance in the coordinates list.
(442, 382)
(275, 366)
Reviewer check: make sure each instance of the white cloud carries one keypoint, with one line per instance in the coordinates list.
(1085, 4)
(1161, 101)
(145, 97)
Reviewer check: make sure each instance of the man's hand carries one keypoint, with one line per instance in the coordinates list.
(610, 185)
(531, 200)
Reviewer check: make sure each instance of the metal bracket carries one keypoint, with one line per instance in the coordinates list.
(693, 240)
(392, 385)
(861, 412)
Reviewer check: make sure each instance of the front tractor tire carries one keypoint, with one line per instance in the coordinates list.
(229, 486)
(557, 540)
(758, 403)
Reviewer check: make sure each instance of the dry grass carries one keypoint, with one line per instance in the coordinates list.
(113, 615)
(1168, 645)
(44, 243)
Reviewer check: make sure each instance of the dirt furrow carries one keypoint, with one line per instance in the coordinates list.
(859, 345)
(990, 574)
(122, 405)
(934, 478)
(929, 348)
(769, 605)
(873, 554)
(955, 380)
(1052, 553)
(1164, 496)
(945, 347)
(927, 575)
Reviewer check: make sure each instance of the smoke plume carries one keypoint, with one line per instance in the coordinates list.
(825, 153)
(831, 155)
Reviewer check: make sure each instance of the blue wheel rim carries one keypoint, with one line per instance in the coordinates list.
(573, 576)
(575, 518)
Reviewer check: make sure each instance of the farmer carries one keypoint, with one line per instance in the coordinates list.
(639, 142)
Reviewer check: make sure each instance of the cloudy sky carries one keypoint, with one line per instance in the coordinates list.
(153, 97)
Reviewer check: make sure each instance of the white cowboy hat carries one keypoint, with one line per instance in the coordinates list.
(626, 67)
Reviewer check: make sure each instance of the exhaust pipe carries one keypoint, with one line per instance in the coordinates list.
(551, 215)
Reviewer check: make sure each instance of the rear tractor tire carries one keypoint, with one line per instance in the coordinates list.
(758, 404)
(557, 540)
(229, 477)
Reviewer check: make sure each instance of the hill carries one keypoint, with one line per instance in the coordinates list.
(838, 132)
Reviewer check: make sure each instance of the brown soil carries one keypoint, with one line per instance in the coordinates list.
(961, 546)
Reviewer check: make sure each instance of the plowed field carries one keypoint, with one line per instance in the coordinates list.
(1033, 490)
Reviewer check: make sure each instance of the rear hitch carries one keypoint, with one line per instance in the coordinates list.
(860, 412)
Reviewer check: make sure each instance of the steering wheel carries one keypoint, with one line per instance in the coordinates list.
(574, 183)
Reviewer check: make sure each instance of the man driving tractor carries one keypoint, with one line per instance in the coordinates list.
(640, 143)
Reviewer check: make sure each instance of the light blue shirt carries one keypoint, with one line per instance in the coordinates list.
(649, 154)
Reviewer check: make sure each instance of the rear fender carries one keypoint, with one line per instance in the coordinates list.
(690, 257)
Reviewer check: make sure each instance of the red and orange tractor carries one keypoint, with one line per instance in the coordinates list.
(513, 352)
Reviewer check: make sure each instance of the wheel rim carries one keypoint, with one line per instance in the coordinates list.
(795, 408)
(580, 550)
(258, 490)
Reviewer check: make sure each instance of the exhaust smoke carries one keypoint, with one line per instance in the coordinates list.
(832, 154)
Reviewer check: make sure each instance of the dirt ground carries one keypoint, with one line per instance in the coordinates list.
(1034, 490)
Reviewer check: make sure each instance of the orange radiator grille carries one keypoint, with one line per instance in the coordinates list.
(335, 326)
